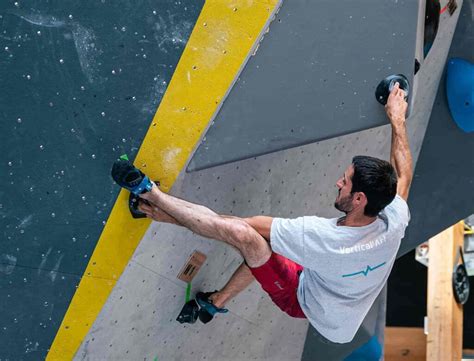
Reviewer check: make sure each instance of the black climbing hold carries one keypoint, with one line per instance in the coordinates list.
(417, 66)
(133, 202)
(461, 284)
(460, 279)
(189, 313)
(385, 87)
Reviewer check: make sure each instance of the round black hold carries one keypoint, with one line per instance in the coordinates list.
(385, 87)
(460, 284)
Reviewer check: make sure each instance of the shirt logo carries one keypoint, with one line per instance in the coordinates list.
(364, 272)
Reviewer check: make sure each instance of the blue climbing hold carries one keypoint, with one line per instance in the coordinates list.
(460, 92)
(371, 351)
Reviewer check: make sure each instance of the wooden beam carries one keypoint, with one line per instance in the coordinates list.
(468, 352)
(408, 344)
(445, 316)
(405, 343)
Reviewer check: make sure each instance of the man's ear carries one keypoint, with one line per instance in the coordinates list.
(361, 197)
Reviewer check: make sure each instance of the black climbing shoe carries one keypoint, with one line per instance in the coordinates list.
(207, 310)
(131, 178)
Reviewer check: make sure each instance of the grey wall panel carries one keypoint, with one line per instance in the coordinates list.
(313, 77)
(441, 193)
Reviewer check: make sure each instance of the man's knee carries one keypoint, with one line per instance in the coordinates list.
(241, 232)
(253, 247)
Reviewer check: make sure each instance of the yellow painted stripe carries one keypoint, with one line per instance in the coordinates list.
(219, 44)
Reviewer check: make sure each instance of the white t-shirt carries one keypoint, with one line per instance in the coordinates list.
(345, 268)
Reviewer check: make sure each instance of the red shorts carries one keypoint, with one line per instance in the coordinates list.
(279, 277)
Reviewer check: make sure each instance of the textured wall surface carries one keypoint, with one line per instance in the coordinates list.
(80, 84)
(313, 77)
(441, 195)
(444, 175)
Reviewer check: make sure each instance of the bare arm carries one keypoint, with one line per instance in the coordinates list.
(261, 224)
(400, 154)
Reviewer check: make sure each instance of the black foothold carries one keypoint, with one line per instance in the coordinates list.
(189, 313)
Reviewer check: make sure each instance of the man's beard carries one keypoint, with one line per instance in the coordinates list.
(344, 204)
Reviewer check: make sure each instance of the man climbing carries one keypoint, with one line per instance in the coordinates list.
(326, 270)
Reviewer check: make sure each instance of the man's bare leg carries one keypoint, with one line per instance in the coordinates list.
(203, 221)
(238, 282)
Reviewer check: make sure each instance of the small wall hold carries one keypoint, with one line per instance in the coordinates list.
(452, 6)
(192, 266)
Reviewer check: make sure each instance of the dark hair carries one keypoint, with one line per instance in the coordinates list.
(377, 179)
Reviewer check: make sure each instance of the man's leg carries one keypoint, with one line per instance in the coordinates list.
(203, 221)
(278, 276)
(239, 281)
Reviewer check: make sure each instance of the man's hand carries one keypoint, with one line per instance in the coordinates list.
(396, 106)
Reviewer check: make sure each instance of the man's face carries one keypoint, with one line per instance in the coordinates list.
(344, 199)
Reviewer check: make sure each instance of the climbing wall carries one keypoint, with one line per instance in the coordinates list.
(301, 181)
(80, 84)
(84, 83)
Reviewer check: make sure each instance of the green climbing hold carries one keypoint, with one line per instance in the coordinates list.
(188, 292)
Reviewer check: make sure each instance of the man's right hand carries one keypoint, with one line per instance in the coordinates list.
(396, 106)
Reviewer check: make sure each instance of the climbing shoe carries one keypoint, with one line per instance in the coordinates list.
(131, 178)
(207, 309)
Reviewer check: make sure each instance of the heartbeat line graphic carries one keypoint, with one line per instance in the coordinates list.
(365, 272)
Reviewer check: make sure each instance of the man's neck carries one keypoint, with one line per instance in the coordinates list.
(355, 220)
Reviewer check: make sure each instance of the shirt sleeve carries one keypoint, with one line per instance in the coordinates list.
(398, 213)
(399, 210)
(287, 238)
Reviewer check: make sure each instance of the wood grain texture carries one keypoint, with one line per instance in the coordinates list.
(445, 316)
(405, 343)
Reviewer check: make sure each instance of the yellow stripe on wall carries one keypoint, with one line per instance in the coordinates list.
(221, 40)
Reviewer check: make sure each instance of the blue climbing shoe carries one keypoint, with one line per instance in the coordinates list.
(130, 178)
(207, 309)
